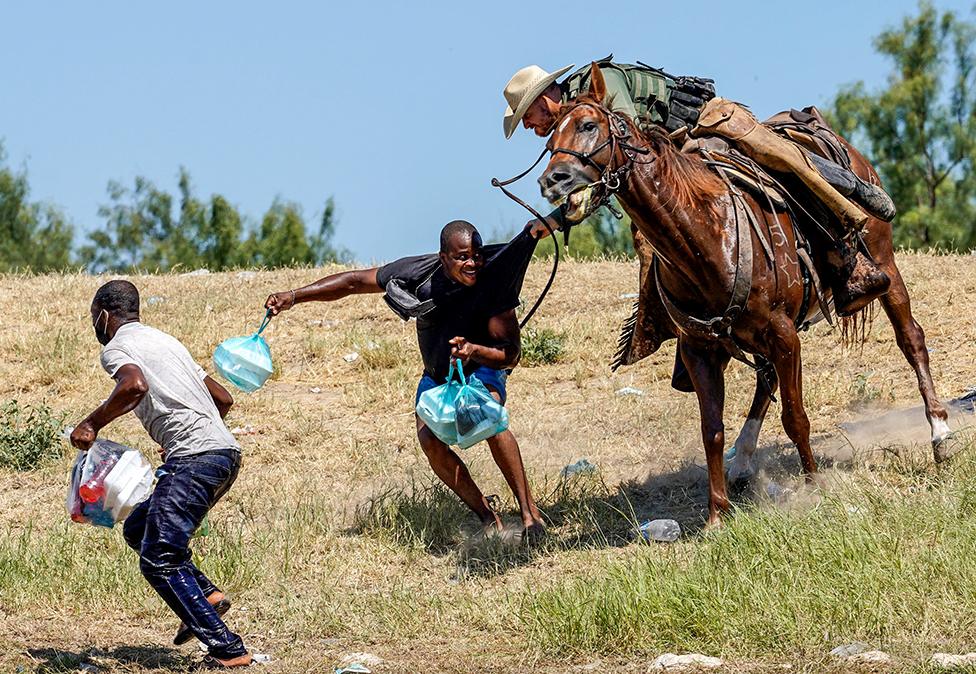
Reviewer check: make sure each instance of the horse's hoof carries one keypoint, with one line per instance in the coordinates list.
(944, 448)
(739, 469)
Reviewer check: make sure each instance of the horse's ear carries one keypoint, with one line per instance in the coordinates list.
(598, 86)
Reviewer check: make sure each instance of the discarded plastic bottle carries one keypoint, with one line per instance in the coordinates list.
(94, 487)
(662, 531)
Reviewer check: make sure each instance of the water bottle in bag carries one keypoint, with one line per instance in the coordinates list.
(478, 416)
(436, 408)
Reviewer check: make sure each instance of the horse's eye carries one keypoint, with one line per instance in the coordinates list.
(589, 127)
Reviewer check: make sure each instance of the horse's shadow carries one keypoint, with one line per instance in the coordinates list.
(50, 660)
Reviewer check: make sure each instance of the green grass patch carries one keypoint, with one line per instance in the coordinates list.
(542, 347)
(424, 516)
(29, 436)
(888, 565)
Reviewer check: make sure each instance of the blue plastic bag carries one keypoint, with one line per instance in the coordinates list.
(477, 415)
(245, 361)
(436, 408)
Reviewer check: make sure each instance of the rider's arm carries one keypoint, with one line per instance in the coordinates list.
(618, 93)
(503, 330)
(326, 289)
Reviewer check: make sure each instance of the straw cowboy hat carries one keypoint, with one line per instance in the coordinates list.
(522, 90)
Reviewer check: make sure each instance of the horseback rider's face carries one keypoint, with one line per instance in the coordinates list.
(543, 112)
(463, 261)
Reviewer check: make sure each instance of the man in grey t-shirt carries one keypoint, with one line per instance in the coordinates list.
(182, 409)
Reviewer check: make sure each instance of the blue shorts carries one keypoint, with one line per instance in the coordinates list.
(490, 377)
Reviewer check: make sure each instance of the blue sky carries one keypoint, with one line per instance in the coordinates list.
(395, 109)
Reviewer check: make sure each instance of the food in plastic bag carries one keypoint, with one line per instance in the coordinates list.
(478, 416)
(107, 483)
(245, 361)
(436, 408)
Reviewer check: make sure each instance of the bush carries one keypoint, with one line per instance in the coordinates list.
(542, 347)
(29, 436)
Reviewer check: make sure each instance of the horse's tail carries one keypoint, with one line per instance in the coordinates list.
(854, 329)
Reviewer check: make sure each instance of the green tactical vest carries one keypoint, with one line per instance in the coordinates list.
(658, 97)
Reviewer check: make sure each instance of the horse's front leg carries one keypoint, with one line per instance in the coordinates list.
(785, 354)
(706, 365)
(740, 464)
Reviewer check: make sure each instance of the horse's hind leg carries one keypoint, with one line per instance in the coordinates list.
(740, 464)
(911, 341)
(785, 355)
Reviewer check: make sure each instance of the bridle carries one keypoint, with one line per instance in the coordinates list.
(618, 138)
(611, 179)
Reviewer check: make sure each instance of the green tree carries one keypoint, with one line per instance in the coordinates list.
(33, 236)
(142, 231)
(919, 131)
(600, 235)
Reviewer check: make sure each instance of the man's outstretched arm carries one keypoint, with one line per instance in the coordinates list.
(130, 388)
(327, 289)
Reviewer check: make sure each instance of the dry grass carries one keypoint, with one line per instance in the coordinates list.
(334, 539)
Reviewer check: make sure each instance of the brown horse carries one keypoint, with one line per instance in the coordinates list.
(698, 226)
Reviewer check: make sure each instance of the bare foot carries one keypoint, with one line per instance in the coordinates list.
(246, 660)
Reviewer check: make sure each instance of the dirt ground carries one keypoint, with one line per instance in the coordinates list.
(326, 437)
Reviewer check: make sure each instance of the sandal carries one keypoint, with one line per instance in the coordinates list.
(184, 633)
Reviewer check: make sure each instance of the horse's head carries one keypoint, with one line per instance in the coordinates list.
(585, 153)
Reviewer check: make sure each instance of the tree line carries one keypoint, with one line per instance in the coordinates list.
(148, 229)
(918, 130)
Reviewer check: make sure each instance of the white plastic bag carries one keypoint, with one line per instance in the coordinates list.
(107, 483)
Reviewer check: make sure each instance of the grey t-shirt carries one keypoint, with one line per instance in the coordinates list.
(178, 411)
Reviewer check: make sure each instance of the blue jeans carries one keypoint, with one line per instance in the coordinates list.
(490, 377)
(159, 529)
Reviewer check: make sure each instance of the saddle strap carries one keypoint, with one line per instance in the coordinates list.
(718, 327)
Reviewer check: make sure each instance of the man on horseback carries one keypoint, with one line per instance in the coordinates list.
(687, 106)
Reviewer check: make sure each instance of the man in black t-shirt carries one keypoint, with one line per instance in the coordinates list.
(465, 309)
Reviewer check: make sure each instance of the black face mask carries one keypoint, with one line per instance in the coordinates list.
(102, 334)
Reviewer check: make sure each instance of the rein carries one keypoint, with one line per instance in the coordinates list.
(501, 184)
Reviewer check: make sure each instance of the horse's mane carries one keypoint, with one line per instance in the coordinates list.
(691, 183)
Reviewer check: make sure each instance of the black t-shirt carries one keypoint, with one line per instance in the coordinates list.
(461, 311)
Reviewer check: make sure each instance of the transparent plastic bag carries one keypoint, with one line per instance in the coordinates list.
(477, 415)
(436, 408)
(245, 361)
(107, 483)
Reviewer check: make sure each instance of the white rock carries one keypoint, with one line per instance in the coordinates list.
(950, 661)
(629, 296)
(872, 657)
(367, 659)
(246, 275)
(315, 389)
(351, 357)
(246, 429)
(629, 391)
(670, 661)
(847, 650)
